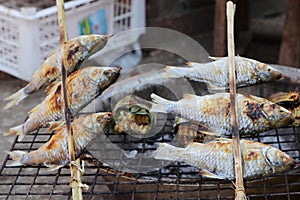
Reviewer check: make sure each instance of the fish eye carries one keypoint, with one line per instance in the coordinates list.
(273, 106)
(107, 72)
(99, 118)
(284, 159)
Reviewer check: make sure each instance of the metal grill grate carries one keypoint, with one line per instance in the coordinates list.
(176, 181)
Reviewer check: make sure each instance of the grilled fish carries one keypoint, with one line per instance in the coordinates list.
(290, 101)
(83, 86)
(55, 151)
(75, 52)
(213, 111)
(216, 158)
(216, 74)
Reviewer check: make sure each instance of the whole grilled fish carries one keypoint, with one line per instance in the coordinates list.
(75, 52)
(213, 111)
(216, 158)
(55, 151)
(83, 86)
(216, 74)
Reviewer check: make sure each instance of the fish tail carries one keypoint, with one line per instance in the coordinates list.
(168, 152)
(18, 130)
(15, 98)
(16, 156)
(160, 105)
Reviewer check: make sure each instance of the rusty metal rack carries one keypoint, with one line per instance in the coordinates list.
(176, 181)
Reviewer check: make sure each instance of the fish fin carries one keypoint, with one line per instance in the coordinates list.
(207, 174)
(15, 98)
(18, 130)
(167, 152)
(171, 72)
(53, 167)
(213, 89)
(160, 105)
(259, 99)
(55, 125)
(215, 58)
(190, 64)
(209, 132)
(223, 139)
(189, 96)
(16, 156)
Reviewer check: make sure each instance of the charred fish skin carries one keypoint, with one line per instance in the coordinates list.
(55, 151)
(256, 114)
(215, 159)
(83, 86)
(75, 51)
(215, 74)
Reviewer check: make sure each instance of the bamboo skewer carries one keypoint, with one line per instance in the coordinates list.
(75, 182)
(239, 184)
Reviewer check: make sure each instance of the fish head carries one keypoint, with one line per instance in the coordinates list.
(266, 114)
(278, 160)
(278, 116)
(98, 121)
(265, 73)
(92, 43)
(104, 76)
(80, 48)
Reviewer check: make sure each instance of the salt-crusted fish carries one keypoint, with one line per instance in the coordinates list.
(215, 159)
(55, 151)
(83, 86)
(75, 51)
(216, 75)
(213, 111)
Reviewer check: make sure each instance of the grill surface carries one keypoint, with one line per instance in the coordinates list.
(176, 181)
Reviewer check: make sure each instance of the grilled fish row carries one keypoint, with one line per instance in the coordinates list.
(83, 86)
(75, 51)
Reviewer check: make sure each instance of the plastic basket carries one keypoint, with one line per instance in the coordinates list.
(28, 36)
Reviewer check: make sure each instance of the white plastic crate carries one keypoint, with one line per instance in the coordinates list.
(28, 36)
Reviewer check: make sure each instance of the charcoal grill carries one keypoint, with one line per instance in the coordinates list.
(175, 181)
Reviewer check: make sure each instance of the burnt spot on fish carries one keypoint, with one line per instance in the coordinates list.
(252, 155)
(58, 89)
(55, 102)
(51, 71)
(222, 145)
(52, 144)
(72, 52)
(255, 110)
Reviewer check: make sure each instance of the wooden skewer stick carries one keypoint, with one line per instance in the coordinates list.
(240, 190)
(74, 169)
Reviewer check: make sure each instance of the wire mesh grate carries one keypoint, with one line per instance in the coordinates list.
(176, 181)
